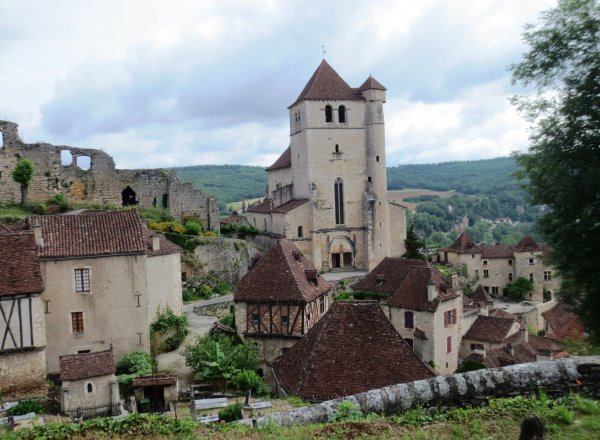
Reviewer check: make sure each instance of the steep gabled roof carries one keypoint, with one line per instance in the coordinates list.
(527, 244)
(490, 329)
(464, 244)
(406, 281)
(496, 251)
(481, 297)
(91, 234)
(19, 264)
(85, 365)
(283, 275)
(371, 83)
(284, 161)
(353, 348)
(564, 323)
(326, 84)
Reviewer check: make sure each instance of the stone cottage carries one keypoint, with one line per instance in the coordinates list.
(22, 330)
(423, 306)
(278, 301)
(327, 191)
(106, 277)
(352, 349)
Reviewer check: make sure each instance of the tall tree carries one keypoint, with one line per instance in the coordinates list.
(561, 170)
(22, 174)
(413, 243)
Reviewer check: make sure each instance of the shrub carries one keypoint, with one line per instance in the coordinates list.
(470, 365)
(26, 407)
(166, 320)
(248, 380)
(228, 320)
(519, 289)
(134, 365)
(346, 411)
(562, 414)
(231, 413)
(192, 228)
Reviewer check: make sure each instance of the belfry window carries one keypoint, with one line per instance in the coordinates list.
(342, 114)
(328, 114)
(338, 190)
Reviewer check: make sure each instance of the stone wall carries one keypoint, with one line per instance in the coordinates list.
(580, 374)
(23, 374)
(60, 169)
(227, 257)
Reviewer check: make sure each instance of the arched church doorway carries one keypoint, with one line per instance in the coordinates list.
(341, 250)
(129, 197)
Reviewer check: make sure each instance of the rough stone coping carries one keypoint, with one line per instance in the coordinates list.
(448, 390)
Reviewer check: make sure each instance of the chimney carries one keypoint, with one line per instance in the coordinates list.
(454, 280)
(155, 243)
(36, 226)
(543, 355)
(431, 291)
(484, 309)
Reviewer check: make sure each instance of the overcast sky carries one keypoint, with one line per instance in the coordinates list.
(171, 83)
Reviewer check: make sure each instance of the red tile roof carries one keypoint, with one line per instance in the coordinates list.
(563, 322)
(496, 251)
(265, 207)
(527, 244)
(165, 246)
(233, 218)
(19, 264)
(91, 234)
(353, 348)
(325, 84)
(406, 281)
(499, 313)
(261, 208)
(516, 350)
(481, 297)
(149, 381)
(464, 244)
(490, 329)
(85, 365)
(371, 83)
(284, 161)
(281, 276)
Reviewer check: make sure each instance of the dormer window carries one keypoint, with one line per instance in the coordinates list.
(328, 113)
(342, 114)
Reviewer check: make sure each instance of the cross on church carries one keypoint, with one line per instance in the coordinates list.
(323, 50)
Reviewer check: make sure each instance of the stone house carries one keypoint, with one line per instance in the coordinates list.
(89, 386)
(106, 276)
(22, 330)
(278, 301)
(488, 332)
(352, 349)
(327, 191)
(423, 306)
(160, 390)
(496, 266)
(560, 322)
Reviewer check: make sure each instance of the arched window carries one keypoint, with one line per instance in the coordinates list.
(89, 387)
(328, 114)
(338, 191)
(300, 232)
(342, 114)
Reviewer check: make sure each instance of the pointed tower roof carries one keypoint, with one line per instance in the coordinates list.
(464, 244)
(327, 84)
(353, 348)
(527, 244)
(371, 83)
(282, 275)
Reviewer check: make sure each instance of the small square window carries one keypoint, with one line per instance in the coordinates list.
(510, 262)
(285, 320)
(510, 276)
(531, 277)
(531, 261)
(254, 318)
(486, 273)
(547, 275)
(485, 262)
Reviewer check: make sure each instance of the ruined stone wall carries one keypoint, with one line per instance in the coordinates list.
(228, 257)
(579, 374)
(63, 169)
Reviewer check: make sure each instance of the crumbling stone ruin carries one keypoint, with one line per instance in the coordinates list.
(89, 175)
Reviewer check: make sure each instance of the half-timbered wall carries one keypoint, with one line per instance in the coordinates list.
(17, 322)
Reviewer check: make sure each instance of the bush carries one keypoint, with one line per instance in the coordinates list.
(518, 290)
(168, 320)
(134, 365)
(346, 411)
(26, 407)
(192, 228)
(231, 413)
(470, 365)
(248, 380)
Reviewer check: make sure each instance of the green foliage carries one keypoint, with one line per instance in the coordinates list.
(192, 228)
(134, 365)
(519, 289)
(23, 173)
(346, 411)
(296, 401)
(413, 243)
(560, 169)
(249, 380)
(219, 358)
(585, 347)
(26, 407)
(470, 365)
(165, 320)
(228, 320)
(242, 228)
(231, 413)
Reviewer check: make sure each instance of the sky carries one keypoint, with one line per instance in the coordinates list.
(189, 82)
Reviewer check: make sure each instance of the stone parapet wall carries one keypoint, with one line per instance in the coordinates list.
(579, 374)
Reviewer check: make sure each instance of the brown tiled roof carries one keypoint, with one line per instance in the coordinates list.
(261, 208)
(496, 251)
(265, 207)
(149, 381)
(371, 83)
(464, 244)
(233, 218)
(84, 365)
(89, 235)
(284, 161)
(499, 313)
(564, 323)
(353, 348)
(281, 276)
(490, 329)
(480, 296)
(522, 350)
(326, 84)
(406, 280)
(527, 244)
(165, 247)
(19, 264)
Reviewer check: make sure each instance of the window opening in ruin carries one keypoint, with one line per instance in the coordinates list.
(165, 201)
(300, 232)
(328, 114)
(129, 197)
(66, 158)
(342, 114)
(84, 162)
(338, 190)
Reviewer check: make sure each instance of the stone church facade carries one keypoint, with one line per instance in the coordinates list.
(327, 192)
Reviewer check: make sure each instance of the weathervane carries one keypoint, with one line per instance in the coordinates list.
(323, 50)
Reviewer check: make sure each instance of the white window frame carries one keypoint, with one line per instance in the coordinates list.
(86, 275)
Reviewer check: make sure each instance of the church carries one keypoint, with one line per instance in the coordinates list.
(327, 191)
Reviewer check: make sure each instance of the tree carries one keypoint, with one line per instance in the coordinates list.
(134, 365)
(22, 174)
(519, 290)
(561, 169)
(413, 243)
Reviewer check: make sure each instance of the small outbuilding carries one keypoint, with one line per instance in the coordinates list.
(154, 393)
